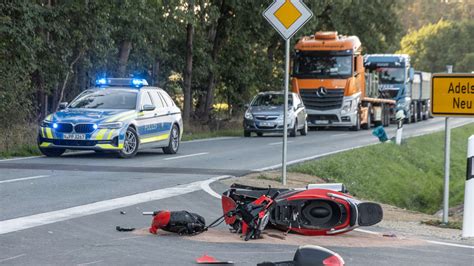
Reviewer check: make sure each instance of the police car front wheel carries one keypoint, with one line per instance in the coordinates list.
(52, 152)
(130, 145)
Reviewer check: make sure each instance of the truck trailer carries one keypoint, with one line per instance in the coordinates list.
(329, 74)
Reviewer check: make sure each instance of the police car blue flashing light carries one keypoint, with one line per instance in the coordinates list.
(55, 125)
(139, 82)
(102, 81)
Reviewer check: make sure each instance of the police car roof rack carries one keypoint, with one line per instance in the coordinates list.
(128, 82)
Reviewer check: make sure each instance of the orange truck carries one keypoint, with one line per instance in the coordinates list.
(329, 74)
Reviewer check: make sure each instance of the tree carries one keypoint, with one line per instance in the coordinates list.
(434, 46)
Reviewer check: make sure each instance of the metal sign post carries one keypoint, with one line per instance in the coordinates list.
(287, 17)
(450, 97)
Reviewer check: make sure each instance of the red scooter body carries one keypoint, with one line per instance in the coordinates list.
(308, 212)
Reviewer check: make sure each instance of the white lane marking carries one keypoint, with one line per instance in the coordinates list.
(20, 158)
(210, 139)
(339, 135)
(279, 143)
(205, 186)
(449, 244)
(89, 263)
(26, 222)
(22, 179)
(186, 156)
(11, 258)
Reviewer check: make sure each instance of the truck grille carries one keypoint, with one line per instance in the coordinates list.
(332, 99)
(84, 128)
(64, 128)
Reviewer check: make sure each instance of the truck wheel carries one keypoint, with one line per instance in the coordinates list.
(130, 146)
(304, 130)
(369, 117)
(415, 112)
(247, 133)
(294, 129)
(259, 134)
(52, 152)
(356, 127)
(386, 116)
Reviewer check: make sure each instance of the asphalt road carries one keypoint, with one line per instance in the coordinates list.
(64, 210)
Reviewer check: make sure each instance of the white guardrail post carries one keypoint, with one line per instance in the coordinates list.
(468, 220)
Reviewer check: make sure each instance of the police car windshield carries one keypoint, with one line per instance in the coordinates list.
(106, 99)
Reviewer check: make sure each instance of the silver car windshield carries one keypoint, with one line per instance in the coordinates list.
(271, 100)
(106, 99)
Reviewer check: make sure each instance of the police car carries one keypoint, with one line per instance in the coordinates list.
(121, 115)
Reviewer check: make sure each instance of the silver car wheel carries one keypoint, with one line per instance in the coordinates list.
(130, 143)
(174, 138)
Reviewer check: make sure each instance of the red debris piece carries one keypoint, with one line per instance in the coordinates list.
(206, 259)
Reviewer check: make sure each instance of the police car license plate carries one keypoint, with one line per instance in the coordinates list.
(266, 124)
(74, 136)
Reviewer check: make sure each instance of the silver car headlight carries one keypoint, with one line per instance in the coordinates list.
(111, 125)
(248, 115)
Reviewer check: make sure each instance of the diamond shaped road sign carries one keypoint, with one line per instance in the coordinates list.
(287, 16)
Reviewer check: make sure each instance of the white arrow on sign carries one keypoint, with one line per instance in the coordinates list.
(287, 16)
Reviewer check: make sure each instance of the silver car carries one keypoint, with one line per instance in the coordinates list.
(265, 114)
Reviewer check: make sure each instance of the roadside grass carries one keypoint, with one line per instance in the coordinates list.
(219, 128)
(408, 176)
(18, 140)
(213, 134)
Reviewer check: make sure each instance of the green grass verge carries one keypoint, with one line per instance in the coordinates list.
(21, 151)
(410, 176)
(213, 134)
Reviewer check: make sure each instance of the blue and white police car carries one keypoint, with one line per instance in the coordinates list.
(118, 114)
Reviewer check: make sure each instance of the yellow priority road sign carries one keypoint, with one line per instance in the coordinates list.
(452, 95)
(287, 16)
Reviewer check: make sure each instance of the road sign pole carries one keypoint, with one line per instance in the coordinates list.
(285, 111)
(468, 215)
(447, 151)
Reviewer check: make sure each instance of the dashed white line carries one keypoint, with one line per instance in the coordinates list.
(11, 258)
(22, 179)
(186, 156)
(279, 143)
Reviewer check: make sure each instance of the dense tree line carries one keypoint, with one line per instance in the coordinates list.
(195, 49)
(201, 51)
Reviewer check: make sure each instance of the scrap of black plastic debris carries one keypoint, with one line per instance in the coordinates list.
(122, 212)
(124, 229)
(389, 235)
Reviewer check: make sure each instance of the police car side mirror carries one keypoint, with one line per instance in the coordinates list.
(62, 105)
(148, 107)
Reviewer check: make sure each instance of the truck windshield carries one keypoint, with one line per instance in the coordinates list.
(391, 75)
(271, 100)
(106, 99)
(323, 66)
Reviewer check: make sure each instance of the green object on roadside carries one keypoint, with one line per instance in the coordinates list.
(380, 133)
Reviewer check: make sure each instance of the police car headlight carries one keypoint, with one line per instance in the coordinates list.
(111, 125)
(248, 115)
(46, 124)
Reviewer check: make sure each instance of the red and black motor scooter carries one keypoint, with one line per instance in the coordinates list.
(323, 209)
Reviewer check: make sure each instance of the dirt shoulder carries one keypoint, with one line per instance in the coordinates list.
(397, 221)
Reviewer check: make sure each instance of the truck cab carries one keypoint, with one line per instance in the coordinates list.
(328, 73)
(395, 76)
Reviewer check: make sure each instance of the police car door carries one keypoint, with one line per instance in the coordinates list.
(146, 121)
(163, 115)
